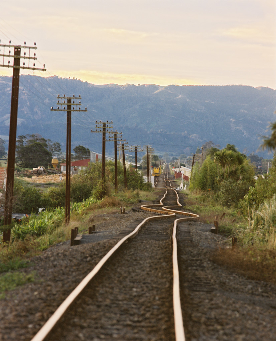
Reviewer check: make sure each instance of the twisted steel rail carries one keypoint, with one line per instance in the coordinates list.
(164, 212)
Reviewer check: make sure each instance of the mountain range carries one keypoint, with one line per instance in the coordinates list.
(172, 119)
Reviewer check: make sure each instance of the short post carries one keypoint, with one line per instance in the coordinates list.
(216, 225)
(73, 236)
(91, 229)
(214, 229)
(234, 242)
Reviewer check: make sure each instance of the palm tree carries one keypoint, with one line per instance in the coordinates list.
(270, 142)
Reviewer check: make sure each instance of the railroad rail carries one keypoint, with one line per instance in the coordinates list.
(164, 213)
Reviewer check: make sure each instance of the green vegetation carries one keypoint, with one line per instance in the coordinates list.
(13, 264)
(39, 231)
(228, 179)
(224, 188)
(227, 173)
(81, 153)
(2, 148)
(11, 280)
(33, 151)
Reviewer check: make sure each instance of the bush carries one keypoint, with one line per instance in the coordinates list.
(27, 199)
(80, 190)
(205, 177)
(231, 192)
(54, 197)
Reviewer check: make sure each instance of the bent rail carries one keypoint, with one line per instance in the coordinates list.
(53, 320)
(178, 318)
(165, 212)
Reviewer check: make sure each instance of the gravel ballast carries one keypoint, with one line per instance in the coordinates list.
(217, 304)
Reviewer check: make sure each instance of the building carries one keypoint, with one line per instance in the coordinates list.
(75, 166)
(94, 157)
(182, 172)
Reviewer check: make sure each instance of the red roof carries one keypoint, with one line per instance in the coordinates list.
(78, 163)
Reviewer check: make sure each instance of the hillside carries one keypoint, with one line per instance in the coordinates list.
(174, 119)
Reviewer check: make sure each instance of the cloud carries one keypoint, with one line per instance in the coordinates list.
(96, 77)
(128, 35)
(259, 35)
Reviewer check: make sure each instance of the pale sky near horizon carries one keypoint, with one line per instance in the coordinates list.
(216, 42)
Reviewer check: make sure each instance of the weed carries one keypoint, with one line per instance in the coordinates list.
(252, 262)
(13, 264)
(11, 280)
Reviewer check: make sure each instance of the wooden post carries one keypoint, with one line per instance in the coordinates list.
(91, 229)
(73, 236)
(115, 162)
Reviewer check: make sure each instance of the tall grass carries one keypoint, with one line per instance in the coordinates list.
(261, 225)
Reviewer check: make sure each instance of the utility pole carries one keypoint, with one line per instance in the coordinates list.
(69, 105)
(103, 127)
(124, 165)
(135, 149)
(116, 137)
(149, 151)
(13, 118)
(124, 147)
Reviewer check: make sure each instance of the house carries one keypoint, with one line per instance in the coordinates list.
(75, 166)
(94, 157)
(182, 172)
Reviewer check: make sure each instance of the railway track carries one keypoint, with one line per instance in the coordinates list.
(133, 293)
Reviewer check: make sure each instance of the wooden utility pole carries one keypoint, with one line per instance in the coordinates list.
(135, 149)
(104, 128)
(124, 165)
(13, 120)
(69, 105)
(149, 151)
(123, 147)
(148, 164)
(116, 137)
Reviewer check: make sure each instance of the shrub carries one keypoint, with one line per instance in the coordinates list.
(80, 190)
(45, 222)
(54, 197)
(27, 199)
(231, 192)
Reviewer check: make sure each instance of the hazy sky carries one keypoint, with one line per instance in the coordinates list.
(213, 42)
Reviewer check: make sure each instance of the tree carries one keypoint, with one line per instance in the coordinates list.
(2, 148)
(228, 174)
(155, 161)
(33, 151)
(35, 155)
(81, 153)
(54, 148)
(270, 142)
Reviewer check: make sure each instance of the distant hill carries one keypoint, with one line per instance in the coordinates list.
(173, 119)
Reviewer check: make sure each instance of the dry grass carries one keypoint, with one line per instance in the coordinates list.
(19, 249)
(209, 211)
(256, 264)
